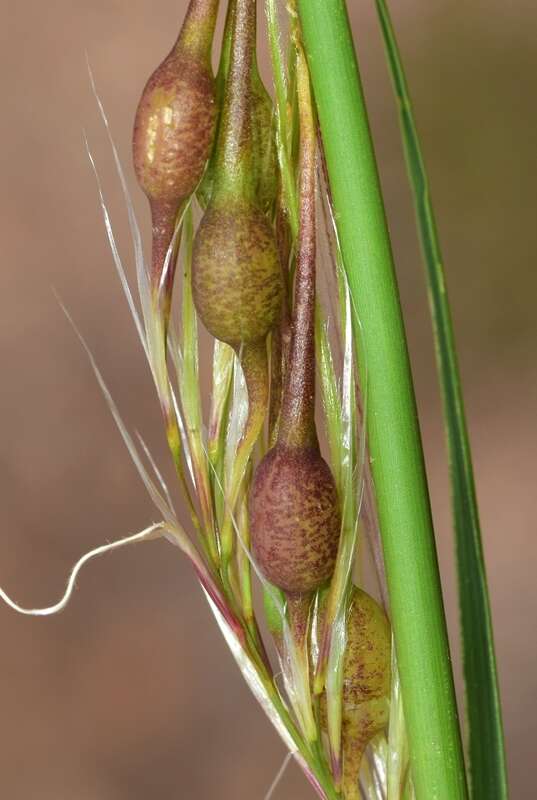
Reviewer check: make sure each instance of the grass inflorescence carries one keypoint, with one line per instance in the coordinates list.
(288, 519)
(251, 213)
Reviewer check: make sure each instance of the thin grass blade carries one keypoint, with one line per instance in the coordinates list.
(488, 773)
(394, 442)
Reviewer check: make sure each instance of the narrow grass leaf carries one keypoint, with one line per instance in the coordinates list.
(395, 449)
(488, 773)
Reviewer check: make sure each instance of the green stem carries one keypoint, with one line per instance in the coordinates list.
(393, 433)
(488, 772)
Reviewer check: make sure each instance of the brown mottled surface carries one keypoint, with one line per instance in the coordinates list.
(174, 128)
(237, 279)
(367, 659)
(366, 684)
(294, 518)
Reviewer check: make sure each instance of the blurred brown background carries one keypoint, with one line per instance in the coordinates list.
(131, 694)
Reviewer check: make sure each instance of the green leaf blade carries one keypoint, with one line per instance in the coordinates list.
(486, 751)
(395, 450)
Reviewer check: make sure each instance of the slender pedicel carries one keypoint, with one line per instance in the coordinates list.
(173, 135)
(237, 278)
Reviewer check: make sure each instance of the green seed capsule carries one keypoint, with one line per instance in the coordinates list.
(237, 277)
